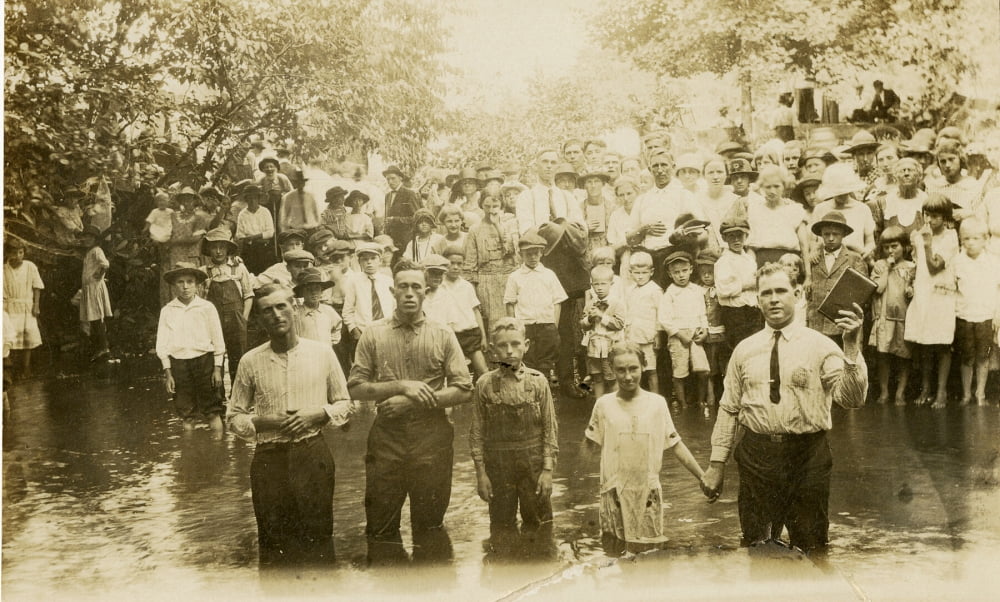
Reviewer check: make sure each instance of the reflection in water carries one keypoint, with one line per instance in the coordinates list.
(101, 488)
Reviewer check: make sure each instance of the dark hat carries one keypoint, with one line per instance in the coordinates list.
(298, 176)
(734, 225)
(319, 237)
(393, 169)
(356, 196)
(531, 240)
(298, 255)
(184, 268)
(687, 221)
(310, 276)
(423, 215)
(433, 261)
(187, 191)
(250, 188)
(265, 161)
(10, 243)
(287, 235)
(677, 256)
(833, 218)
(552, 232)
(799, 192)
(339, 247)
(467, 173)
(861, 141)
(335, 192)
(740, 166)
(728, 146)
(594, 174)
(220, 234)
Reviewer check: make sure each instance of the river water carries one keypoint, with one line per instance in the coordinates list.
(104, 497)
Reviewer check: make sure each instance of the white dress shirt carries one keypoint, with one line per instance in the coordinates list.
(534, 293)
(664, 205)
(358, 298)
(189, 331)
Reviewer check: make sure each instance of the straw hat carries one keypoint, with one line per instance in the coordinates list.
(862, 140)
(220, 234)
(839, 179)
(184, 268)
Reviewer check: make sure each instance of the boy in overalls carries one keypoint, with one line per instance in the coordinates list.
(229, 290)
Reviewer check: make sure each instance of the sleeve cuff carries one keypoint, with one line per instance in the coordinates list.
(719, 454)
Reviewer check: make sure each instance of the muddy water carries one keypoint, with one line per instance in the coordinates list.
(105, 497)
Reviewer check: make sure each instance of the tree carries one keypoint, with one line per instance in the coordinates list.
(825, 41)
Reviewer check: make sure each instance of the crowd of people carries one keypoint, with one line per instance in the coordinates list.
(677, 274)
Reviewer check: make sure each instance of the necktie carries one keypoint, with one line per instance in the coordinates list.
(377, 305)
(775, 370)
(552, 204)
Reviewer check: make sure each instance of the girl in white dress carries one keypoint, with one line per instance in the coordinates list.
(22, 288)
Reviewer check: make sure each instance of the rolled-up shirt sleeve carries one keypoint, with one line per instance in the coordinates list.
(455, 369)
(364, 359)
(476, 429)
(241, 404)
(846, 380)
(340, 407)
(550, 428)
(724, 432)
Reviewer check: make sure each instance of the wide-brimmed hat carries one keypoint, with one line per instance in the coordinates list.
(519, 187)
(187, 191)
(368, 247)
(862, 140)
(298, 255)
(728, 146)
(266, 160)
(393, 169)
(335, 192)
(531, 240)
(310, 276)
(565, 169)
(799, 192)
(288, 235)
(385, 241)
(433, 261)
(740, 166)
(740, 225)
(604, 177)
(298, 175)
(185, 268)
(491, 174)
(552, 232)
(250, 189)
(832, 218)
(467, 174)
(356, 196)
(220, 234)
(839, 179)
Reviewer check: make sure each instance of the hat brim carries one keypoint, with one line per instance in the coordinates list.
(263, 162)
(297, 289)
(860, 147)
(172, 275)
(819, 226)
(742, 229)
(753, 176)
(603, 177)
(825, 194)
(233, 247)
(389, 172)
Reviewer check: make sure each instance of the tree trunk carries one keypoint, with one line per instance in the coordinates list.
(746, 105)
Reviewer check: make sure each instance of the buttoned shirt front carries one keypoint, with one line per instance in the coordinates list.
(422, 350)
(358, 298)
(189, 331)
(682, 308)
(733, 273)
(664, 205)
(321, 323)
(814, 374)
(304, 378)
(534, 293)
(541, 203)
(250, 223)
(641, 306)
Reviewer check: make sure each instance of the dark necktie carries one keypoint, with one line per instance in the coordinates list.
(376, 304)
(775, 370)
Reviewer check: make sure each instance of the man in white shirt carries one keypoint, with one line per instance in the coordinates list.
(544, 201)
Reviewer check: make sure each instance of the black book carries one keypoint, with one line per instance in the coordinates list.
(852, 287)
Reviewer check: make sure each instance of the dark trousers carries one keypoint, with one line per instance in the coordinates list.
(514, 477)
(740, 322)
(292, 487)
(786, 483)
(258, 255)
(411, 457)
(569, 330)
(194, 395)
(544, 348)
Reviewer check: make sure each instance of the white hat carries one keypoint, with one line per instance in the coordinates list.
(838, 179)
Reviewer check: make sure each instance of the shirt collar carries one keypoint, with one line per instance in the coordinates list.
(834, 253)
(788, 332)
(416, 324)
(175, 302)
(537, 268)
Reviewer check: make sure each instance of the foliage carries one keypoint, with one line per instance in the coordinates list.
(824, 40)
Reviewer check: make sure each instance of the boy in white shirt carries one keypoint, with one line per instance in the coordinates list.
(469, 326)
(533, 295)
(642, 300)
(361, 307)
(682, 316)
(977, 275)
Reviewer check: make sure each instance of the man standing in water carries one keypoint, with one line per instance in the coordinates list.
(286, 394)
(780, 385)
(412, 369)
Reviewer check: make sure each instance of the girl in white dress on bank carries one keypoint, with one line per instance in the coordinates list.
(95, 302)
(22, 289)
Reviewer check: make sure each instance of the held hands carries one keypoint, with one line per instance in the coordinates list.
(712, 481)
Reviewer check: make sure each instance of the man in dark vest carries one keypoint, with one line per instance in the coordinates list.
(400, 205)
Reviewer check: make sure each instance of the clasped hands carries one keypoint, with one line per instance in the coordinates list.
(412, 393)
(712, 481)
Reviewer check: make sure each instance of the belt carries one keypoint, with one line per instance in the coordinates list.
(784, 437)
(285, 445)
